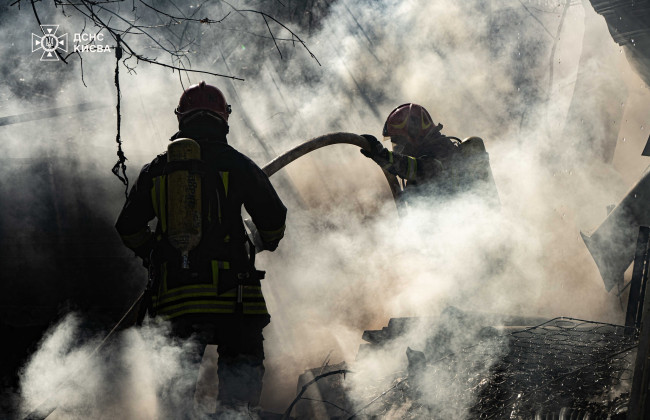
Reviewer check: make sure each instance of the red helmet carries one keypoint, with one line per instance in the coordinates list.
(411, 121)
(202, 97)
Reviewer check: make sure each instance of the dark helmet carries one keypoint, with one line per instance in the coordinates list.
(202, 97)
(410, 121)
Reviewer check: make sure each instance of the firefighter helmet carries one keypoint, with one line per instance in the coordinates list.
(202, 97)
(410, 121)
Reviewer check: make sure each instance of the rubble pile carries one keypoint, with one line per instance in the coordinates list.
(560, 367)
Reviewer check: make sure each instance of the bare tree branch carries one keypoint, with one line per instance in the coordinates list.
(313, 381)
(92, 15)
(101, 14)
(273, 37)
(293, 34)
(176, 20)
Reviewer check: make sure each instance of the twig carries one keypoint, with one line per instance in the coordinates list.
(91, 8)
(326, 362)
(304, 388)
(132, 53)
(378, 397)
(187, 19)
(81, 66)
(267, 16)
(119, 165)
(257, 35)
(272, 36)
(536, 18)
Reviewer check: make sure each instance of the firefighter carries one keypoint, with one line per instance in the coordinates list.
(429, 162)
(203, 278)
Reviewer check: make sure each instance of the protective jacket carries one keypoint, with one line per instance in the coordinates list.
(440, 166)
(218, 280)
(428, 167)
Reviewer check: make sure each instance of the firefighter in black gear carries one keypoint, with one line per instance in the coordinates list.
(430, 163)
(201, 262)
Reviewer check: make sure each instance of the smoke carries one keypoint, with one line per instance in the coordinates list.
(367, 266)
(141, 373)
(507, 71)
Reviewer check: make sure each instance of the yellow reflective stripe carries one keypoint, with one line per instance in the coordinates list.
(255, 312)
(253, 289)
(271, 235)
(185, 292)
(232, 293)
(227, 238)
(218, 207)
(164, 301)
(197, 311)
(203, 304)
(255, 308)
(412, 167)
(137, 239)
(390, 157)
(205, 292)
(403, 123)
(224, 177)
(198, 307)
(216, 265)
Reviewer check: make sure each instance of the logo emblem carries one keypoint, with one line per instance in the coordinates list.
(49, 43)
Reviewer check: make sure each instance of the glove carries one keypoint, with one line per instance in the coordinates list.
(375, 146)
(377, 152)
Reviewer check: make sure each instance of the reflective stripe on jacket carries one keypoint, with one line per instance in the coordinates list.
(211, 285)
(205, 298)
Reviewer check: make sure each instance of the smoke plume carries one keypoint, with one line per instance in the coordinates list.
(508, 71)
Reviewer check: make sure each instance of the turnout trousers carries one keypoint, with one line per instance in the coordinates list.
(239, 342)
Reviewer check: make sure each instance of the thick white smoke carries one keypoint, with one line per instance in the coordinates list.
(503, 70)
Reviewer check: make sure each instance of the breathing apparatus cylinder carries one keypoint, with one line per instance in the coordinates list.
(184, 198)
(478, 174)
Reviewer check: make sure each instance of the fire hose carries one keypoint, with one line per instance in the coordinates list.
(328, 140)
(47, 407)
